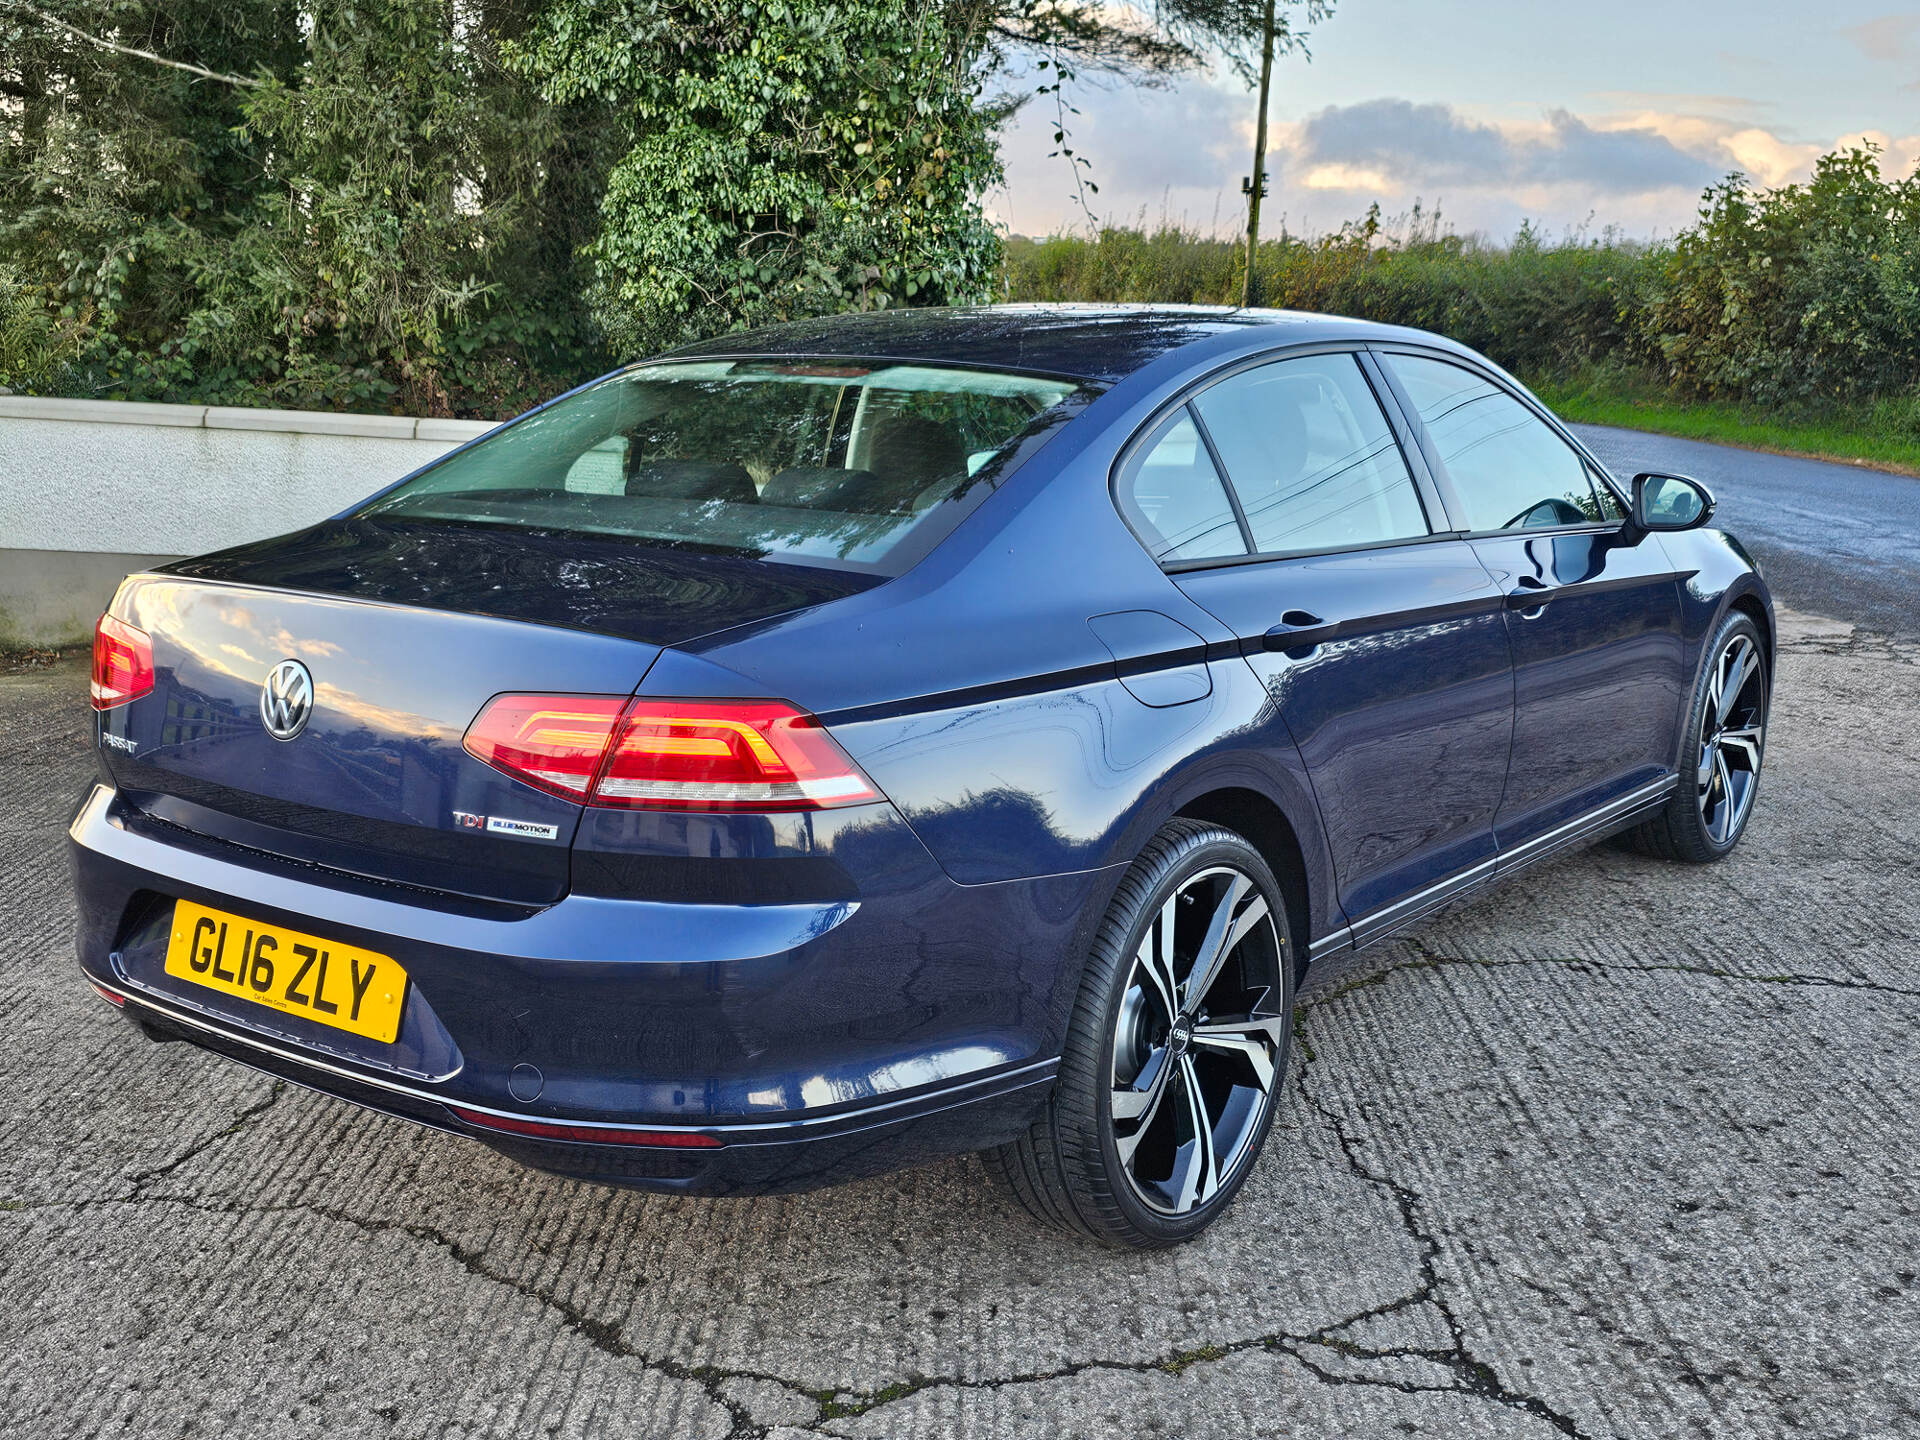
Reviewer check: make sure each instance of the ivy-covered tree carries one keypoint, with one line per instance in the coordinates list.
(405, 246)
(781, 158)
(290, 202)
(115, 169)
(464, 205)
(788, 158)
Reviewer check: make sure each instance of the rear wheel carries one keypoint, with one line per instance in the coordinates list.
(1176, 1050)
(1725, 744)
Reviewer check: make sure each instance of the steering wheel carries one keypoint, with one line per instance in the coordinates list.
(1548, 512)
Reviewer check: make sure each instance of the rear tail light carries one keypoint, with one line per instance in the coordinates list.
(589, 1134)
(553, 741)
(730, 755)
(122, 663)
(111, 997)
(668, 754)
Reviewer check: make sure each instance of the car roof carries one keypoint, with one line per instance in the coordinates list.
(1103, 343)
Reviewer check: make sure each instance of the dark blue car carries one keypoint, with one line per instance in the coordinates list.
(881, 737)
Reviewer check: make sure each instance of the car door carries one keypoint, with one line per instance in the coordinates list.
(1281, 500)
(1594, 614)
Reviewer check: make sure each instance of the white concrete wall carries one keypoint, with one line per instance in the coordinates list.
(87, 484)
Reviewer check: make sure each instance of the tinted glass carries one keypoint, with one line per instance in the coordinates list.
(1311, 456)
(825, 460)
(1176, 502)
(1509, 468)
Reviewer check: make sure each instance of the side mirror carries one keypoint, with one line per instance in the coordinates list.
(1670, 502)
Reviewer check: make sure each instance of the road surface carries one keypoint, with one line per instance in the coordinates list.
(1838, 540)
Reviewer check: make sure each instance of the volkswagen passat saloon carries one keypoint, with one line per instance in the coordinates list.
(869, 739)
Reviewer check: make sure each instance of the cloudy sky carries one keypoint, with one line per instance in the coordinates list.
(1496, 111)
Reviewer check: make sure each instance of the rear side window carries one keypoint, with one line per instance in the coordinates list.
(826, 461)
(1507, 466)
(1174, 498)
(1311, 456)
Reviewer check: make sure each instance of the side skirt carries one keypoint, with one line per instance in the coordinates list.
(1609, 819)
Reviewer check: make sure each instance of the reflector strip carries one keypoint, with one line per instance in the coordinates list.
(588, 1134)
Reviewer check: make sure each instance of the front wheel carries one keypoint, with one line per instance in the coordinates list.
(1176, 1050)
(1725, 744)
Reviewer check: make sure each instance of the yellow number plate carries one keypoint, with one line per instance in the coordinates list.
(321, 980)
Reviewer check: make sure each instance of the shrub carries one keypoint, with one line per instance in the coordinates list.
(1806, 296)
(1804, 293)
(1535, 307)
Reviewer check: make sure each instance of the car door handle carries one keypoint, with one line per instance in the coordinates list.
(1298, 628)
(1530, 594)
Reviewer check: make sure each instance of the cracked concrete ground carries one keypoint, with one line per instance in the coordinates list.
(1624, 1149)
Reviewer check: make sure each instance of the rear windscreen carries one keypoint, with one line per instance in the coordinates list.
(826, 462)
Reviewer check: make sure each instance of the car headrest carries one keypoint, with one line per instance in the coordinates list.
(859, 492)
(691, 480)
(911, 449)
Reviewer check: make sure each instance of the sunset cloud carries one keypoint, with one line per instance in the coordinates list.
(1428, 146)
(1641, 168)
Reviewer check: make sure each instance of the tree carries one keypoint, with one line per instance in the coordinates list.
(113, 169)
(1277, 37)
(288, 202)
(789, 159)
(461, 205)
(780, 159)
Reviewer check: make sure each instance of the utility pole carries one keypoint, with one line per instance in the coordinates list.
(1256, 185)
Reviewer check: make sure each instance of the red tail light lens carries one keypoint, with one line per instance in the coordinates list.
(668, 754)
(591, 1134)
(122, 663)
(553, 741)
(727, 755)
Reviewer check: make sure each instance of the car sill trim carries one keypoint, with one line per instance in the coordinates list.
(1378, 924)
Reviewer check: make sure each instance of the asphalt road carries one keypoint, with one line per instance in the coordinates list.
(1624, 1149)
(1833, 539)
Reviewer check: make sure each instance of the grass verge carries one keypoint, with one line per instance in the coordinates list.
(1885, 435)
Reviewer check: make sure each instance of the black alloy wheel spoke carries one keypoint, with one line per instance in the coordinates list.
(1195, 1057)
(1733, 728)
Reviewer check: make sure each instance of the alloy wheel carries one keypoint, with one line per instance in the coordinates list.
(1733, 731)
(1195, 1049)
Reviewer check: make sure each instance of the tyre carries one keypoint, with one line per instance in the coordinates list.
(1726, 741)
(1177, 1047)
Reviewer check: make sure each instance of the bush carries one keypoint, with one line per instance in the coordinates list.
(1532, 306)
(1806, 296)
(1805, 293)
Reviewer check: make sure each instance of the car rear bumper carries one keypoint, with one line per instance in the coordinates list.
(813, 1042)
(749, 1159)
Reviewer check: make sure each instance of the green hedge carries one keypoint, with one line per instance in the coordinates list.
(1804, 296)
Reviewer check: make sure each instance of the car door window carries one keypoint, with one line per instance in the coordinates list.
(1508, 467)
(1311, 456)
(1175, 500)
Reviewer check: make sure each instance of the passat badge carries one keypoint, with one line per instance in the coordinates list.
(286, 699)
(501, 825)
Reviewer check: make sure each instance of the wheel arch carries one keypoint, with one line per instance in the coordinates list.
(1756, 609)
(1260, 821)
